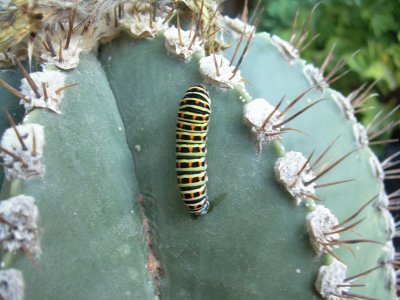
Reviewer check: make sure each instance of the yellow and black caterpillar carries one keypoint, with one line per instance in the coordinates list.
(191, 135)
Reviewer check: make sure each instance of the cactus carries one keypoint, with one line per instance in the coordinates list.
(98, 159)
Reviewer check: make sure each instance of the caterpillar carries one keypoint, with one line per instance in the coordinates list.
(191, 135)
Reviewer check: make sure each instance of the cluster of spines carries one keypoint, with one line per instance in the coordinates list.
(361, 97)
(191, 135)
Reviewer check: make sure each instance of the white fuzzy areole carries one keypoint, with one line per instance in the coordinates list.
(69, 57)
(383, 200)
(390, 224)
(137, 23)
(376, 167)
(255, 113)
(329, 277)
(54, 80)
(30, 163)
(12, 285)
(344, 105)
(391, 277)
(361, 135)
(286, 171)
(224, 79)
(181, 50)
(318, 223)
(287, 49)
(389, 252)
(387, 259)
(236, 25)
(315, 76)
(20, 229)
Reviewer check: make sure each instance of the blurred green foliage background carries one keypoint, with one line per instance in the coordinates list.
(371, 26)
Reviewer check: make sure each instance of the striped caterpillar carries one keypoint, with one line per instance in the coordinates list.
(191, 135)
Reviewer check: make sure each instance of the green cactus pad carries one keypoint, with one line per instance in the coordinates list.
(235, 251)
(93, 245)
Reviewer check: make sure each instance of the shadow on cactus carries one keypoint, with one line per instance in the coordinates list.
(92, 208)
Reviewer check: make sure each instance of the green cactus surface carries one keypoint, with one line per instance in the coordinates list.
(322, 124)
(92, 240)
(112, 222)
